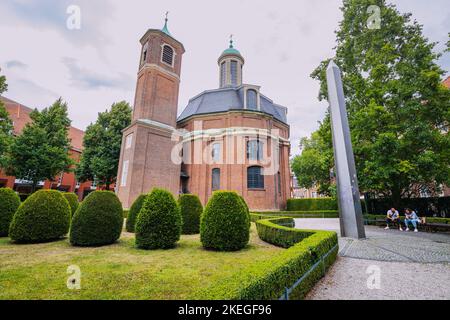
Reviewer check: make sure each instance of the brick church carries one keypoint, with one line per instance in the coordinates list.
(229, 138)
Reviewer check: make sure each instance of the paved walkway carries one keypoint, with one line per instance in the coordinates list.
(410, 265)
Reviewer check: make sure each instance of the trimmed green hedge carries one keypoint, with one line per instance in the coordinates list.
(383, 217)
(297, 214)
(158, 224)
(126, 213)
(98, 220)
(315, 204)
(267, 280)
(191, 211)
(9, 202)
(44, 216)
(134, 212)
(72, 198)
(225, 223)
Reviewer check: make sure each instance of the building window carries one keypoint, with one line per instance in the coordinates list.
(279, 183)
(215, 152)
(123, 181)
(215, 179)
(167, 55)
(144, 53)
(234, 66)
(129, 141)
(255, 150)
(252, 97)
(223, 73)
(255, 178)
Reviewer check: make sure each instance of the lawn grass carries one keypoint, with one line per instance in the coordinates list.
(120, 271)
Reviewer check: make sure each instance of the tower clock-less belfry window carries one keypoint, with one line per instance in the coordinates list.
(167, 55)
(234, 66)
(223, 73)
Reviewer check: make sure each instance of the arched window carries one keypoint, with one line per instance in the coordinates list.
(255, 178)
(252, 97)
(223, 73)
(234, 69)
(144, 53)
(167, 55)
(215, 179)
(255, 150)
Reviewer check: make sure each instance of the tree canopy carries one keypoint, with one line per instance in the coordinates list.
(398, 109)
(41, 151)
(102, 143)
(6, 126)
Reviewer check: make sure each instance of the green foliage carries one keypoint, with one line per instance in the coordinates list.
(294, 214)
(98, 220)
(268, 280)
(126, 213)
(191, 211)
(41, 151)
(273, 231)
(72, 198)
(9, 202)
(225, 222)
(102, 142)
(44, 216)
(158, 225)
(314, 204)
(397, 106)
(6, 127)
(312, 167)
(134, 212)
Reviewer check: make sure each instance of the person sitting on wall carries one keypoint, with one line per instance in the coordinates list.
(393, 217)
(411, 218)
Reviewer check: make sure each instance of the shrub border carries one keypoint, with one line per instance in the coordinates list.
(271, 279)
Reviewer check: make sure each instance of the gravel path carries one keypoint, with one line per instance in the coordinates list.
(410, 265)
(347, 280)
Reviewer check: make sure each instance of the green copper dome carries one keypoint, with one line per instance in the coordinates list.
(231, 50)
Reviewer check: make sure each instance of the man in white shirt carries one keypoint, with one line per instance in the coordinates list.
(393, 217)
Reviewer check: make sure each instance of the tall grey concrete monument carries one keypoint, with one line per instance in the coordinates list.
(351, 218)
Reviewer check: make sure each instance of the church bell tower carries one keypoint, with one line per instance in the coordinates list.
(145, 157)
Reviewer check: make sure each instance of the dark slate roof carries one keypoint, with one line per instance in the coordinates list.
(227, 99)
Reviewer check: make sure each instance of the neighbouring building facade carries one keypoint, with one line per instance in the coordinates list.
(20, 115)
(230, 138)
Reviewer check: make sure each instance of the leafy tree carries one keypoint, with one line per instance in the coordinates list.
(6, 126)
(41, 151)
(102, 143)
(398, 109)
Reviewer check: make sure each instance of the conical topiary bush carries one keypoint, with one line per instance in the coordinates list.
(191, 211)
(158, 225)
(9, 202)
(225, 223)
(98, 220)
(43, 216)
(134, 211)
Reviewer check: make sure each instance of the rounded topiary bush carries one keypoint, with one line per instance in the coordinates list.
(225, 223)
(43, 216)
(97, 221)
(246, 208)
(134, 211)
(191, 210)
(9, 202)
(72, 198)
(158, 225)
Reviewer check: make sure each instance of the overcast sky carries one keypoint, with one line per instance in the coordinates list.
(282, 42)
